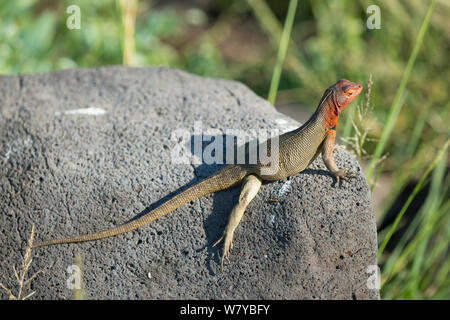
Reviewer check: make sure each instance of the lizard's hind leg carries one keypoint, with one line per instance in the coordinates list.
(249, 189)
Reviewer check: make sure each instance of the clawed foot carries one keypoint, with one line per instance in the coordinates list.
(227, 238)
(343, 174)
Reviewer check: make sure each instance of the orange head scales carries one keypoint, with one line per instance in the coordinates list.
(336, 98)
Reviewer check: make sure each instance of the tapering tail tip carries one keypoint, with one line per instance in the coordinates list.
(52, 242)
(29, 247)
(37, 245)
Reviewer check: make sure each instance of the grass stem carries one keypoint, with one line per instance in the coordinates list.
(396, 104)
(416, 190)
(282, 49)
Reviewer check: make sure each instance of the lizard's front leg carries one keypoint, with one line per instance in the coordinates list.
(327, 155)
(249, 189)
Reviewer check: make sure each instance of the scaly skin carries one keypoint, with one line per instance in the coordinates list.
(297, 149)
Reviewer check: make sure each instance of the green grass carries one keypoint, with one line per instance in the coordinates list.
(397, 102)
(282, 51)
(416, 190)
(418, 267)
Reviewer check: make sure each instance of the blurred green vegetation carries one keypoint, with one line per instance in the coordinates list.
(329, 40)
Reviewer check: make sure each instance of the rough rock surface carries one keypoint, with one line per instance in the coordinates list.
(84, 150)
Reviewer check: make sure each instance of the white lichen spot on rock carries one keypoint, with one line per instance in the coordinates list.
(84, 111)
(284, 188)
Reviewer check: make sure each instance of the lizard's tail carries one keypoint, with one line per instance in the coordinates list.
(227, 177)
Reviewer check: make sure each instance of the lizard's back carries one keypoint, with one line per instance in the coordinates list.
(296, 150)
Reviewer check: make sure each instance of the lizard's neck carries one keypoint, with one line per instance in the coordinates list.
(329, 113)
(324, 119)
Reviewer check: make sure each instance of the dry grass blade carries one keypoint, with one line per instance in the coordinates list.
(129, 10)
(8, 292)
(362, 127)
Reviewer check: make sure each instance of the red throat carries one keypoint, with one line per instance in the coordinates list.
(331, 116)
(332, 112)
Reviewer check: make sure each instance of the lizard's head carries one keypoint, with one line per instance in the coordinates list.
(336, 98)
(345, 92)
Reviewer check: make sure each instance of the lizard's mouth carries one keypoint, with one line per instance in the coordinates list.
(354, 92)
(350, 92)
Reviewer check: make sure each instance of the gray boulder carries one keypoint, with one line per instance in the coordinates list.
(85, 150)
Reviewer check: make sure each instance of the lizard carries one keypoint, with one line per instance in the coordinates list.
(297, 149)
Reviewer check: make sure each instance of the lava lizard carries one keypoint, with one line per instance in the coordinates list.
(297, 149)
